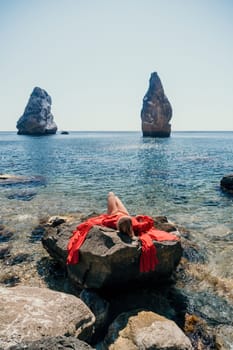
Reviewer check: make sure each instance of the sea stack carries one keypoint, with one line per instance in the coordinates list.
(37, 118)
(156, 110)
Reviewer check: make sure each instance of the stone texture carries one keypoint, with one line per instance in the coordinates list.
(37, 118)
(109, 259)
(224, 337)
(144, 330)
(99, 306)
(226, 183)
(156, 110)
(28, 314)
(55, 343)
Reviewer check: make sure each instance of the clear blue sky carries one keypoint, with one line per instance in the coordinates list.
(95, 57)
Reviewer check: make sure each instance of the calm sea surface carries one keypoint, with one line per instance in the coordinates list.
(178, 177)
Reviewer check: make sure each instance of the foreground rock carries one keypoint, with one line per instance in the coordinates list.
(226, 183)
(37, 118)
(144, 330)
(156, 111)
(109, 259)
(28, 314)
(61, 343)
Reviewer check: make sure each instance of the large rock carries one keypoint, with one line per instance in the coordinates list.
(144, 330)
(28, 314)
(156, 110)
(37, 118)
(109, 259)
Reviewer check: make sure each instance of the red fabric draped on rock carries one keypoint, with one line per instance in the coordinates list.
(143, 227)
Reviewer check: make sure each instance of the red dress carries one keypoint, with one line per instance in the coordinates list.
(143, 227)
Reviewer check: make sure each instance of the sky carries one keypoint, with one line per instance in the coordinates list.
(95, 58)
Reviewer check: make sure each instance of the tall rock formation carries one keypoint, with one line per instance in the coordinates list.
(37, 118)
(156, 110)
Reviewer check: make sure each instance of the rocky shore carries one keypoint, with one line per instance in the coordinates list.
(84, 311)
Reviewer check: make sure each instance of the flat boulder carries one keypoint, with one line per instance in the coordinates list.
(29, 314)
(109, 259)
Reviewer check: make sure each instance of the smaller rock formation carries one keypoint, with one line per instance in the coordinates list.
(37, 118)
(156, 111)
(226, 183)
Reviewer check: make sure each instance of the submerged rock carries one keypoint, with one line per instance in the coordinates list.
(28, 314)
(109, 259)
(9, 179)
(156, 110)
(23, 195)
(37, 118)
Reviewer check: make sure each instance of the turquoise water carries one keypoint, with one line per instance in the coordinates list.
(178, 177)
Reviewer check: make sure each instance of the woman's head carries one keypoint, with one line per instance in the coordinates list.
(124, 225)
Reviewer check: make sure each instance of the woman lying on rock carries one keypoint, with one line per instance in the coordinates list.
(118, 217)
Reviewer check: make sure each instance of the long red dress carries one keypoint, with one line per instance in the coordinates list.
(143, 227)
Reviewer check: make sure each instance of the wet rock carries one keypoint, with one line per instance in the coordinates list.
(226, 238)
(10, 280)
(9, 179)
(18, 259)
(100, 308)
(144, 330)
(198, 332)
(193, 253)
(156, 111)
(5, 252)
(37, 118)
(109, 259)
(56, 220)
(5, 235)
(213, 309)
(28, 314)
(36, 234)
(226, 183)
(24, 195)
(54, 343)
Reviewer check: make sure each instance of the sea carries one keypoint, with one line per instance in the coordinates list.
(178, 177)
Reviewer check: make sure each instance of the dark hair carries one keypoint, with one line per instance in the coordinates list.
(124, 225)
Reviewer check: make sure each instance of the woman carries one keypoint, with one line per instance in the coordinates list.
(117, 217)
(124, 221)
